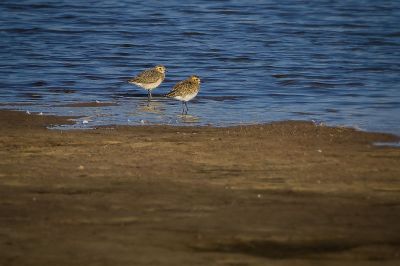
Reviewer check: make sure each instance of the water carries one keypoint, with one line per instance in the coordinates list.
(387, 144)
(336, 62)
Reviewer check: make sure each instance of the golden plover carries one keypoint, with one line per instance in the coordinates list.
(149, 79)
(185, 90)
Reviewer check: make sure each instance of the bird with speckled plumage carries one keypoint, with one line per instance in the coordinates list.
(149, 79)
(185, 91)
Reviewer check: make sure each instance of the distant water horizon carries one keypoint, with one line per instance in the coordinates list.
(332, 62)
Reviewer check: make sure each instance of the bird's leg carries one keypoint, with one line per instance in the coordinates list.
(183, 108)
(148, 98)
(187, 109)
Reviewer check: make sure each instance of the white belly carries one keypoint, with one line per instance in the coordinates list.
(149, 86)
(186, 98)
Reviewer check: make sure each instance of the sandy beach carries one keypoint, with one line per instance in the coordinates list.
(286, 193)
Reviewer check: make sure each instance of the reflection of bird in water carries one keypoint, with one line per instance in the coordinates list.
(185, 91)
(190, 119)
(149, 79)
(153, 107)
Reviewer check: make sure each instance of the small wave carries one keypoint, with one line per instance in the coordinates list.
(221, 98)
(321, 85)
(193, 33)
(393, 34)
(94, 77)
(236, 59)
(31, 95)
(331, 110)
(127, 45)
(354, 84)
(39, 83)
(59, 90)
(288, 82)
(303, 113)
(29, 6)
(281, 76)
(22, 30)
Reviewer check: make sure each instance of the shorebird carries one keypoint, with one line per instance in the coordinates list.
(185, 90)
(149, 79)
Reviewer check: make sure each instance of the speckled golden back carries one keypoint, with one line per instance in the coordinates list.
(150, 76)
(188, 86)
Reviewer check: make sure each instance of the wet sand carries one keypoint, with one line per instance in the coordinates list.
(287, 193)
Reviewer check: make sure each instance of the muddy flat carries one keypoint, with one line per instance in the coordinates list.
(287, 193)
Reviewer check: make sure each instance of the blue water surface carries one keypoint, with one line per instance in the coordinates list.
(336, 62)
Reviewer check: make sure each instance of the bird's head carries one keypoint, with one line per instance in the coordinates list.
(195, 79)
(160, 68)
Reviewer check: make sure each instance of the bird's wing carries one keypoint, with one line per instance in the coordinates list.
(175, 90)
(182, 87)
(147, 76)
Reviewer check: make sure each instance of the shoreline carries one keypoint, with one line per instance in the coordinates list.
(282, 193)
(177, 120)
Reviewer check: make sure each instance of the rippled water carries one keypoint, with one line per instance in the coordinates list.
(337, 62)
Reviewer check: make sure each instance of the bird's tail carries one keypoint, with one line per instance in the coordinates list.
(132, 80)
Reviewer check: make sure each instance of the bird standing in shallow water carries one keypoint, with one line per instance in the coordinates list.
(185, 91)
(149, 79)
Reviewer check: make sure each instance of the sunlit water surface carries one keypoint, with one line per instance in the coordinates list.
(335, 62)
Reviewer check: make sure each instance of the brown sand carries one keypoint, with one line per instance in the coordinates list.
(288, 193)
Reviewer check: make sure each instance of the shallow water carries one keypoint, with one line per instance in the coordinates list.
(336, 62)
(387, 144)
